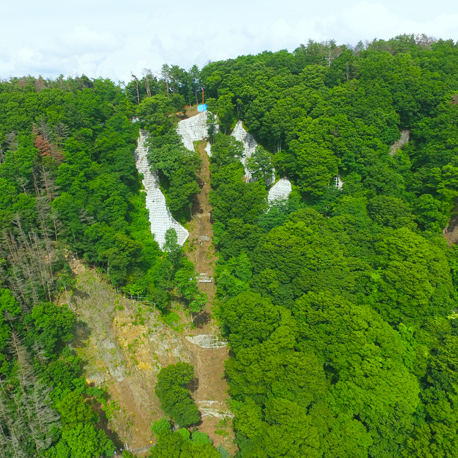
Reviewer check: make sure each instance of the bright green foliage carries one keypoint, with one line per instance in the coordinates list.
(161, 426)
(127, 454)
(236, 207)
(296, 258)
(175, 275)
(365, 354)
(260, 165)
(315, 167)
(249, 319)
(357, 282)
(155, 113)
(275, 369)
(80, 438)
(177, 169)
(234, 276)
(413, 279)
(181, 444)
(174, 396)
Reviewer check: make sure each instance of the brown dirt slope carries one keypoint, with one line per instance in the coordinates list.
(124, 344)
(451, 231)
(211, 394)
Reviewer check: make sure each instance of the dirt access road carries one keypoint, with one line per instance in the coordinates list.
(211, 394)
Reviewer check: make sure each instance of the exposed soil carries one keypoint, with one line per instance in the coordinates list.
(200, 246)
(451, 231)
(124, 344)
(189, 112)
(211, 394)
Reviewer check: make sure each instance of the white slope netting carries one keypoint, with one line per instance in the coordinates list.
(249, 145)
(193, 130)
(280, 190)
(159, 215)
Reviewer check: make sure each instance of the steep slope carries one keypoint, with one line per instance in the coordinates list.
(208, 353)
(159, 215)
(124, 344)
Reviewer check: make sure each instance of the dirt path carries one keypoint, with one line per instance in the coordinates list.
(201, 250)
(211, 393)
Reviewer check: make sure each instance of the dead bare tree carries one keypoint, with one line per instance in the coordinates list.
(40, 84)
(12, 442)
(138, 93)
(165, 72)
(31, 259)
(31, 420)
(147, 74)
(11, 141)
(60, 134)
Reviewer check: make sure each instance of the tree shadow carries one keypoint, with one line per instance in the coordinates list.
(195, 204)
(103, 424)
(80, 294)
(193, 384)
(81, 334)
(202, 319)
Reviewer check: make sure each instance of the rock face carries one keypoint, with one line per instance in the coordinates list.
(193, 130)
(159, 215)
(280, 190)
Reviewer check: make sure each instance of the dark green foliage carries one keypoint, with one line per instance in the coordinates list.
(177, 168)
(339, 305)
(174, 396)
(260, 165)
(340, 314)
(390, 211)
(52, 325)
(83, 441)
(181, 443)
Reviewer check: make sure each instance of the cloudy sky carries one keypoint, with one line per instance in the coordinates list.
(110, 38)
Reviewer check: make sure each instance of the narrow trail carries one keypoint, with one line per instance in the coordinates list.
(211, 392)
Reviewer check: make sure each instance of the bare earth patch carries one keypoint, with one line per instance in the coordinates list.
(211, 394)
(124, 344)
(451, 231)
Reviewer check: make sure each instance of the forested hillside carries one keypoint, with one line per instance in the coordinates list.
(339, 304)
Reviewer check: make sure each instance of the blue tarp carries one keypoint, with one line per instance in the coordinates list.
(202, 107)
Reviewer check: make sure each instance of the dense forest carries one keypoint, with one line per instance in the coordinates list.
(338, 303)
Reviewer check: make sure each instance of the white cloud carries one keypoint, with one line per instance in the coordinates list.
(112, 39)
